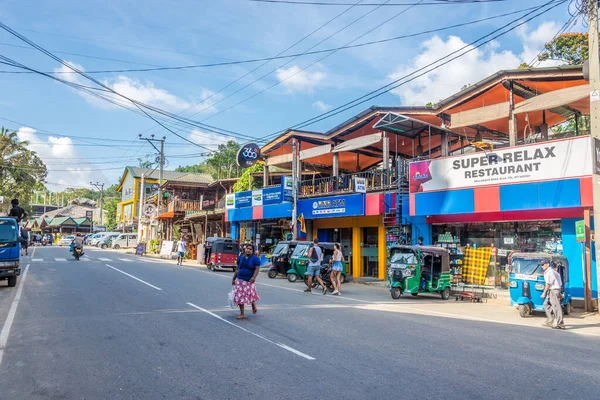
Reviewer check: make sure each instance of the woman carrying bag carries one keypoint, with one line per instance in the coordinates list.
(244, 291)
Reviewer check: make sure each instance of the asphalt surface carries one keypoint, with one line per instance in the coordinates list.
(131, 328)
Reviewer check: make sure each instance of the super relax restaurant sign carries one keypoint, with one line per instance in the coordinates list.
(559, 159)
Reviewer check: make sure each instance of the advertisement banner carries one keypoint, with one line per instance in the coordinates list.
(243, 199)
(335, 206)
(166, 248)
(286, 187)
(360, 185)
(559, 159)
(257, 198)
(230, 201)
(271, 195)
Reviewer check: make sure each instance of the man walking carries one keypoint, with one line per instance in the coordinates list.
(181, 247)
(315, 256)
(552, 296)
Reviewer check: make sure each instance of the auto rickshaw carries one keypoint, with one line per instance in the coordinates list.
(299, 260)
(527, 283)
(280, 258)
(419, 269)
(224, 253)
(207, 249)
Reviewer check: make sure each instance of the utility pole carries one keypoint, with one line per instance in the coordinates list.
(140, 210)
(100, 187)
(294, 190)
(594, 62)
(161, 161)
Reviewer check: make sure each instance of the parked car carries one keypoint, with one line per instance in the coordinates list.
(66, 240)
(100, 237)
(106, 241)
(125, 240)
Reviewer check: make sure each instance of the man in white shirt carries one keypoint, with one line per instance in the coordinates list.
(552, 296)
(181, 247)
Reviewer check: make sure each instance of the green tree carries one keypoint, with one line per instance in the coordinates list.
(246, 181)
(570, 48)
(145, 162)
(21, 170)
(110, 207)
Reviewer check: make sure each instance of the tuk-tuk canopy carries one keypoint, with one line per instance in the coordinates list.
(432, 250)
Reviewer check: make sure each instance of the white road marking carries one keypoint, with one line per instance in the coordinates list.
(11, 314)
(60, 259)
(84, 259)
(131, 276)
(125, 259)
(37, 259)
(283, 346)
(104, 259)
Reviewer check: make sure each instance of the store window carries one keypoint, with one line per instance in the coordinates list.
(503, 238)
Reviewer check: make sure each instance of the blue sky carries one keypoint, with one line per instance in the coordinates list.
(82, 138)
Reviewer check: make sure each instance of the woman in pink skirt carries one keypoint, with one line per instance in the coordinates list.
(243, 279)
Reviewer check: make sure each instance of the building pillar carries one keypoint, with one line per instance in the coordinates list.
(357, 270)
(265, 175)
(544, 127)
(444, 144)
(336, 164)
(386, 158)
(512, 119)
(381, 251)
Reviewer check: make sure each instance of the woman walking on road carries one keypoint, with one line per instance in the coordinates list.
(243, 280)
(336, 270)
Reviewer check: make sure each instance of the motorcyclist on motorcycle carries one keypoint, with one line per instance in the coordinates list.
(77, 242)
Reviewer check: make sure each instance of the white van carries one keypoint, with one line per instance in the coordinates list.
(125, 240)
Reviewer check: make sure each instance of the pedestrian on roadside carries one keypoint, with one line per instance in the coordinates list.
(315, 257)
(336, 269)
(181, 247)
(244, 280)
(420, 241)
(25, 242)
(552, 296)
(16, 211)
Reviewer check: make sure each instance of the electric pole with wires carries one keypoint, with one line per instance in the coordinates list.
(100, 187)
(161, 163)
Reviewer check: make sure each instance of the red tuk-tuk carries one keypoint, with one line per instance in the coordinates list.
(223, 253)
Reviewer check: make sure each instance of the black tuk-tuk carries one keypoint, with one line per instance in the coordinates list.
(223, 253)
(280, 258)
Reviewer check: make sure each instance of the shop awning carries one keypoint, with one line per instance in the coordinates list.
(167, 215)
(315, 151)
(358, 143)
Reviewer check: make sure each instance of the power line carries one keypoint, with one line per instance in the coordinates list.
(394, 84)
(266, 62)
(254, 60)
(435, 2)
(320, 59)
(573, 19)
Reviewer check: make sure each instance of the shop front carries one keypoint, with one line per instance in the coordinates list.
(262, 217)
(488, 205)
(355, 221)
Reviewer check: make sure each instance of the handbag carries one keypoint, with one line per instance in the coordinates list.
(230, 297)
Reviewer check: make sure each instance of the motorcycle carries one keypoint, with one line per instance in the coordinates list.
(44, 242)
(325, 277)
(77, 252)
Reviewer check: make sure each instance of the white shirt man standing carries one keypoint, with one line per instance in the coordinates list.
(552, 296)
(181, 247)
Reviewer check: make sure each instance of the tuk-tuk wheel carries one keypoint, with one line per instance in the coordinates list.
(415, 294)
(292, 278)
(272, 274)
(524, 310)
(207, 266)
(567, 308)
(396, 293)
(445, 293)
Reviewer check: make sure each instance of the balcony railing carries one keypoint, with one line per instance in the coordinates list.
(185, 205)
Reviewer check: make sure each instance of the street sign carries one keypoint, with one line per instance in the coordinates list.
(580, 231)
(89, 214)
(360, 185)
(248, 155)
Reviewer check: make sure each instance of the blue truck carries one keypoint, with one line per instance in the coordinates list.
(10, 250)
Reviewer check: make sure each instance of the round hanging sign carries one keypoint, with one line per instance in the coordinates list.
(248, 155)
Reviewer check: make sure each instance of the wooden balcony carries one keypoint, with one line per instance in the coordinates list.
(185, 205)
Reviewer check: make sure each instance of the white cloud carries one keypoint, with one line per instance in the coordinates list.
(533, 42)
(468, 69)
(208, 139)
(321, 106)
(146, 93)
(56, 152)
(449, 78)
(297, 80)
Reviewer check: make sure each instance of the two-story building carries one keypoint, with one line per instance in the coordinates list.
(131, 191)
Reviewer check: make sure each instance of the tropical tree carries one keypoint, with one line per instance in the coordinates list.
(570, 48)
(110, 207)
(21, 170)
(246, 181)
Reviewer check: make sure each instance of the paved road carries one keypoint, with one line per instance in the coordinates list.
(117, 327)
